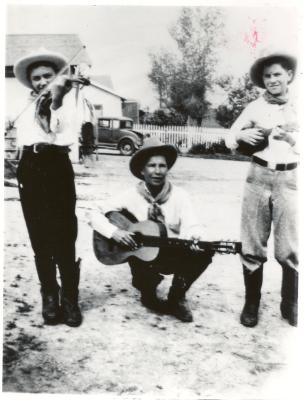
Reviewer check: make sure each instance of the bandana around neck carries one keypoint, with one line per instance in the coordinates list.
(42, 111)
(154, 211)
(275, 100)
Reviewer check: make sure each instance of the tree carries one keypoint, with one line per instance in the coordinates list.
(164, 117)
(182, 79)
(161, 73)
(239, 94)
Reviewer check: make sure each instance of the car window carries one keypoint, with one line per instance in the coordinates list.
(116, 123)
(128, 124)
(104, 123)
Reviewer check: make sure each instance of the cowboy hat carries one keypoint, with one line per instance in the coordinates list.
(256, 71)
(152, 147)
(42, 55)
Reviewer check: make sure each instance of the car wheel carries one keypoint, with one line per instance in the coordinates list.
(126, 147)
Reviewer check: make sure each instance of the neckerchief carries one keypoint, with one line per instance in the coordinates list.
(43, 111)
(154, 211)
(273, 99)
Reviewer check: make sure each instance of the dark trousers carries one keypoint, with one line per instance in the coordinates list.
(185, 265)
(48, 199)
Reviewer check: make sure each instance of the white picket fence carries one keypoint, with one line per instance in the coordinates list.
(183, 136)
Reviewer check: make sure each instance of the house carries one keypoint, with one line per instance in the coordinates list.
(100, 93)
(103, 97)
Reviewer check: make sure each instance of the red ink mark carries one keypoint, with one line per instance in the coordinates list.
(252, 38)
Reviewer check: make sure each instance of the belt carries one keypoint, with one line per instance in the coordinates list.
(46, 147)
(276, 167)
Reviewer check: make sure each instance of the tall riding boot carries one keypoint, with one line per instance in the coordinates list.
(289, 293)
(46, 269)
(253, 283)
(69, 295)
(177, 302)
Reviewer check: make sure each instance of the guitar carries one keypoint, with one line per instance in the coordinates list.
(150, 236)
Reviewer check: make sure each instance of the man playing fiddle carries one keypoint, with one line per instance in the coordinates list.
(45, 175)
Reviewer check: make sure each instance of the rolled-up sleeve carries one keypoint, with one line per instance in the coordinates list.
(244, 120)
(98, 219)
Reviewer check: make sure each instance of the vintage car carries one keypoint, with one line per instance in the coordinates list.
(118, 133)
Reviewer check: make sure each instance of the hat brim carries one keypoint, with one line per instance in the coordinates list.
(22, 65)
(256, 71)
(140, 158)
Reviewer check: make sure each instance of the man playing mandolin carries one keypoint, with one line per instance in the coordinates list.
(155, 198)
(269, 126)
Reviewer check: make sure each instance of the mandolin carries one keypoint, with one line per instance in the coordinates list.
(150, 236)
(248, 149)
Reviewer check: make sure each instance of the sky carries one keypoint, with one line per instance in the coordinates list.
(119, 38)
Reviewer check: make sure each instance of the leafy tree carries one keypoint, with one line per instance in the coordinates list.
(164, 117)
(239, 94)
(183, 78)
(161, 72)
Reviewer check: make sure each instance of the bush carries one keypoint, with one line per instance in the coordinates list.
(210, 148)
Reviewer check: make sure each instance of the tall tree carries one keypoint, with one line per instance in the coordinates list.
(161, 74)
(183, 78)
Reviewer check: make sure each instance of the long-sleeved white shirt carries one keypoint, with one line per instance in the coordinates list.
(180, 219)
(260, 113)
(64, 124)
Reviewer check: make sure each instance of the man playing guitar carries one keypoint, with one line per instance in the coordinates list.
(155, 198)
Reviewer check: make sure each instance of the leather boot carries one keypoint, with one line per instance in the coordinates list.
(71, 313)
(50, 308)
(177, 302)
(150, 300)
(46, 270)
(289, 293)
(253, 283)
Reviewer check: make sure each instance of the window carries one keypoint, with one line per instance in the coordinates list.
(116, 124)
(104, 123)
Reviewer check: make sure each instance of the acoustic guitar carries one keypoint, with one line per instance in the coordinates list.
(150, 236)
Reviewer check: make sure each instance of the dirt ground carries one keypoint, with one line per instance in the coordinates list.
(121, 348)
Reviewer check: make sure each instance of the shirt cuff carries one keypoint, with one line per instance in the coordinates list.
(230, 140)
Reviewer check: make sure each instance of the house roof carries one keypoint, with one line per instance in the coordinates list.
(104, 80)
(98, 86)
(18, 46)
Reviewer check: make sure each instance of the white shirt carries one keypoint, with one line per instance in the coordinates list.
(65, 123)
(262, 114)
(180, 219)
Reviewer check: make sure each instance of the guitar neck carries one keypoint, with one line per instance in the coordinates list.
(220, 246)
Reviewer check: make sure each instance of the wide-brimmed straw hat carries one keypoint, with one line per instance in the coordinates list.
(266, 57)
(152, 147)
(41, 55)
